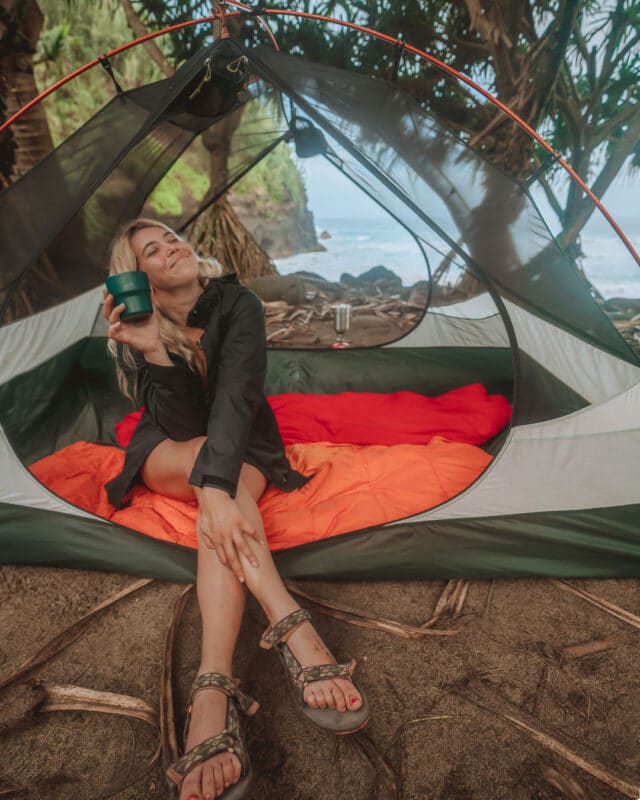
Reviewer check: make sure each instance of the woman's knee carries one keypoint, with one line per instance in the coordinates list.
(169, 465)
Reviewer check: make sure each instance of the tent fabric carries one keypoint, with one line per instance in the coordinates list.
(467, 414)
(433, 181)
(566, 461)
(352, 487)
(559, 498)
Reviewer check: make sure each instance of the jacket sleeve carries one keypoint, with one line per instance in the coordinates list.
(167, 394)
(238, 391)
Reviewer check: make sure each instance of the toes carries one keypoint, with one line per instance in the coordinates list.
(339, 700)
(310, 698)
(190, 789)
(218, 777)
(329, 697)
(229, 772)
(321, 701)
(208, 782)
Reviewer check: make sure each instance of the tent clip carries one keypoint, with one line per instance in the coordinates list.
(400, 47)
(106, 65)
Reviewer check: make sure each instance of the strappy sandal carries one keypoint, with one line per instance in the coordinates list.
(229, 740)
(329, 719)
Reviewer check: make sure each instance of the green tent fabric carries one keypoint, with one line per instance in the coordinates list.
(561, 495)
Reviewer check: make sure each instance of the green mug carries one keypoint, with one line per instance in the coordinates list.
(132, 289)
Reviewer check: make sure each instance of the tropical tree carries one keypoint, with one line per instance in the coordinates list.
(569, 68)
(217, 231)
(20, 24)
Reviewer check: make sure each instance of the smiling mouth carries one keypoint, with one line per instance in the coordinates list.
(184, 255)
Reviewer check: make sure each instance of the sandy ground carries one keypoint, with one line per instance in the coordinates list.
(440, 744)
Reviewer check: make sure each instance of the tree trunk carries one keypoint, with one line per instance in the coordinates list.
(218, 231)
(19, 38)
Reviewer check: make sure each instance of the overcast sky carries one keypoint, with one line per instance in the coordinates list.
(331, 195)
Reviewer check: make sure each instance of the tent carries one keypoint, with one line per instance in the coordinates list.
(561, 494)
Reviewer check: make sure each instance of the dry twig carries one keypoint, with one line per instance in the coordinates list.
(70, 634)
(354, 617)
(605, 605)
(385, 779)
(61, 697)
(168, 735)
(9, 787)
(586, 648)
(451, 600)
(477, 693)
(565, 783)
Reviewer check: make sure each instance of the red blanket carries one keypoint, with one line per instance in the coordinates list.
(467, 414)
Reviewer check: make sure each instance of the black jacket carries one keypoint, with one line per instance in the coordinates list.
(230, 410)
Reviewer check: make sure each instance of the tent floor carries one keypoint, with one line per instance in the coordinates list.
(439, 743)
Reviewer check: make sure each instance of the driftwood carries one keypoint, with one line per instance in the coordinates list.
(64, 697)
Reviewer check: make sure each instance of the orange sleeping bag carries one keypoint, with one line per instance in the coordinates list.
(353, 487)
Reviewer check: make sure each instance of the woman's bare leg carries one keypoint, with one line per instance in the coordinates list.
(221, 598)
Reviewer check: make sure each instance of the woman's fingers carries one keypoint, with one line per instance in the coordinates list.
(114, 316)
(233, 562)
(242, 547)
(255, 535)
(107, 306)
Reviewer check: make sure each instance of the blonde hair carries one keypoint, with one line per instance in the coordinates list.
(123, 259)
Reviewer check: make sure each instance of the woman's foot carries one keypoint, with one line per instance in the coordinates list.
(209, 718)
(339, 693)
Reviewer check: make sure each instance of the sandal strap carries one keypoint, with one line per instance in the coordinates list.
(208, 748)
(274, 634)
(216, 680)
(323, 671)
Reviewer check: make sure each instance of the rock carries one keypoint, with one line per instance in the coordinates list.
(378, 275)
(325, 235)
(349, 280)
(280, 230)
(621, 307)
(379, 279)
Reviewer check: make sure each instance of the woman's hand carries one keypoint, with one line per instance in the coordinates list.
(143, 335)
(223, 528)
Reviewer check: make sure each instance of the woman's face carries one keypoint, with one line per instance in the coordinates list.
(169, 262)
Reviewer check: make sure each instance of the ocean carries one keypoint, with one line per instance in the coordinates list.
(356, 245)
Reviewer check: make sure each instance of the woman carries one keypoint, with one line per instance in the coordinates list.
(207, 433)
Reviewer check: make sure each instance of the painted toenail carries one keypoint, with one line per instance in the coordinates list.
(353, 701)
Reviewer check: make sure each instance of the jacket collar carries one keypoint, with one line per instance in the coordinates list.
(200, 314)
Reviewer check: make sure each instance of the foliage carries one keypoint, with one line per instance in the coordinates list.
(278, 176)
(74, 34)
(186, 179)
(569, 68)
